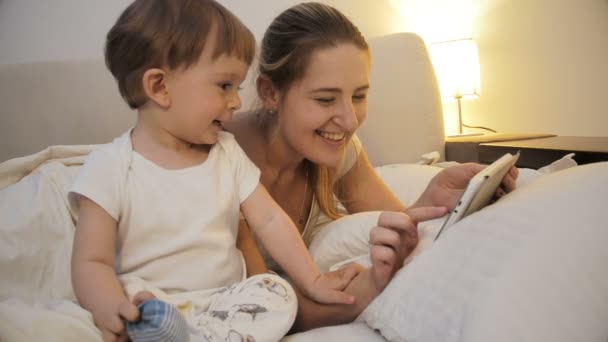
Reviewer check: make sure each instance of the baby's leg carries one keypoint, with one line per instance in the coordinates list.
(261, 308)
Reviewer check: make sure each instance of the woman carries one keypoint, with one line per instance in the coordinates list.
(313, 83)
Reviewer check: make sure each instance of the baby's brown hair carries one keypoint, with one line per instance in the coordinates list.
(170, 34)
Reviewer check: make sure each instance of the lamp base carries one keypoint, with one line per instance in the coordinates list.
(464, 135)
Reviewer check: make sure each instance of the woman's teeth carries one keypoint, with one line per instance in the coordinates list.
(331, 136)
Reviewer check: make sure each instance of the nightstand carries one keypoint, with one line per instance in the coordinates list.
(536, 150)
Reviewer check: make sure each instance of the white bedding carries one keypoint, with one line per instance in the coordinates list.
(529, 268)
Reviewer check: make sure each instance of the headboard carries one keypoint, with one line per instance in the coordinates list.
(405, 117)
(77, 102)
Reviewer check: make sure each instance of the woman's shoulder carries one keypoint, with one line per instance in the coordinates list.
(245, 129)
(241, 122)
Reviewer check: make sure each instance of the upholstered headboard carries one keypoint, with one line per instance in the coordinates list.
(58, 103)
(405, 117)
(77, 102)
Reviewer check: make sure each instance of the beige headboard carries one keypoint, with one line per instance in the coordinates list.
(77, 102)
(58, 103)
(405, 117)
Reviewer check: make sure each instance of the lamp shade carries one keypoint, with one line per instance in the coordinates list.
(456, 64)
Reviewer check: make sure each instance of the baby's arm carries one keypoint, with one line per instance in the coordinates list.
(281, 238)
(93, 277)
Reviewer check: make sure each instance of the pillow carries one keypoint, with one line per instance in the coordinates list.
(531, 267)
(342, 239)
(407, 181)
(347, 237)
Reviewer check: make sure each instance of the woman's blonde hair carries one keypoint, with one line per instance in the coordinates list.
(286, 50)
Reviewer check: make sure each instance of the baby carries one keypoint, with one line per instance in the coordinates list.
(159, 206)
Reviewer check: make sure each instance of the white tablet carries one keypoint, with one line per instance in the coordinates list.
(480, 190)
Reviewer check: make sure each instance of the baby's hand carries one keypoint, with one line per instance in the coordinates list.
(141, 297)
(111, 324)
(328, 288)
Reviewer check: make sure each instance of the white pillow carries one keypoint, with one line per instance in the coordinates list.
(531, 267)
(348, 237)
(342, 239)
(407, 181)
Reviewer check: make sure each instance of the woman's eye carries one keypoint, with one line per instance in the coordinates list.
(359, 97)
(325, 100)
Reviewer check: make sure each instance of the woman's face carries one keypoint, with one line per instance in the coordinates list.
(320, 112)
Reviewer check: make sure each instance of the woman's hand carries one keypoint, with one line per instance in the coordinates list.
(394, 239)
(446, 187)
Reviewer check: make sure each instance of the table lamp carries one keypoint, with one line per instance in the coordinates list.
(456, 65)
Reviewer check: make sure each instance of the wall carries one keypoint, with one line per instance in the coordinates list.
(34, 30)
(543, 62)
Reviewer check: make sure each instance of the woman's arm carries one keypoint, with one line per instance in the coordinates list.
(254, 262)
(313, 315)
(364, 190)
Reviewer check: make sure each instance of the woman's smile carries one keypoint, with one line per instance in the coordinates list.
(333, 137)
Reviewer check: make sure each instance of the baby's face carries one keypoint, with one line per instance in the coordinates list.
(204, 96)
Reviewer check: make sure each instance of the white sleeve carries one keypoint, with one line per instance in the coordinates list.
(100, 180)
(246, 173)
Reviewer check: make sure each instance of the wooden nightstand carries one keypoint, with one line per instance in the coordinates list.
(535, 152)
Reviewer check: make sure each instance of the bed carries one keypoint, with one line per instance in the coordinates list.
(531, 267)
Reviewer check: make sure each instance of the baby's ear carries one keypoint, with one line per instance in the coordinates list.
(154, 84)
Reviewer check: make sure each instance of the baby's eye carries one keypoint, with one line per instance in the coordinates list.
(225, 86)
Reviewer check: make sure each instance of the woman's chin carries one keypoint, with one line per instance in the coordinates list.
(331, 161)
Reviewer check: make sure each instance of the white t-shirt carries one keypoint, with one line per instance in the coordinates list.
(176, 228)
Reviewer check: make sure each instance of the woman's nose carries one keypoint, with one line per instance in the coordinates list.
(347, 117)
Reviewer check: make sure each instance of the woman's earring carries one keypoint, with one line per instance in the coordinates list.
(271, 112)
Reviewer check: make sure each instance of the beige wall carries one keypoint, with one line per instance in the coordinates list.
(544, 63)
(34, 30)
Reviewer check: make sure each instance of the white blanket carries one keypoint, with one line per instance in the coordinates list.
(473, 285)
(36, 296)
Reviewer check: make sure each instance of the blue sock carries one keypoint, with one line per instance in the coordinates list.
(159, 321)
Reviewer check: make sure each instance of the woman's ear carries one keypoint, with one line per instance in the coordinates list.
(268, 93)
(155, 87)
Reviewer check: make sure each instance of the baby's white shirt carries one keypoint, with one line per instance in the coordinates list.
(176, 228)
